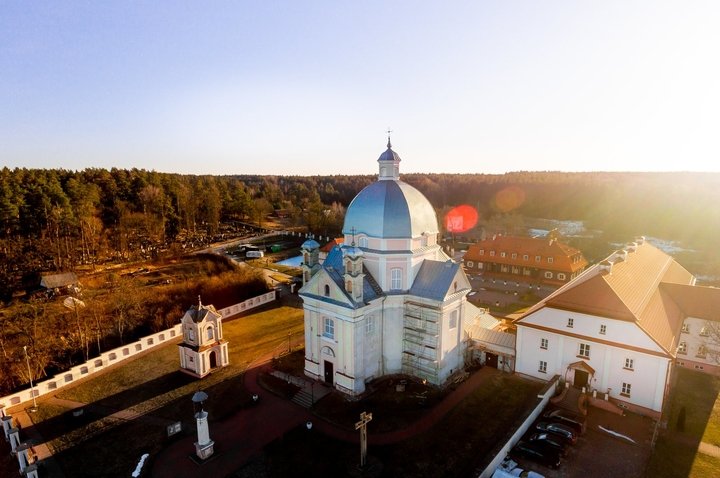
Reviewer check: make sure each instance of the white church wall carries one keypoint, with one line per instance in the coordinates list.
(393, 335)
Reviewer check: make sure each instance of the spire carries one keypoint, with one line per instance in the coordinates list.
(388, 133)
(389, 162)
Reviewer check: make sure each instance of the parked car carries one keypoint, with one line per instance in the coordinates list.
(538, 453)
(573, 420)
(552, 440)
(510, 469)
(558, 429)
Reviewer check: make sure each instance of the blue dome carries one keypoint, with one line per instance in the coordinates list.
(390, 209)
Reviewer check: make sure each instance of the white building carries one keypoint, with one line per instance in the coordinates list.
(615, 329)
(389, 300)
(699, 347)
(203, 347)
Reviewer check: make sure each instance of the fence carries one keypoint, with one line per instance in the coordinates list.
(544, 397)
(120, 354)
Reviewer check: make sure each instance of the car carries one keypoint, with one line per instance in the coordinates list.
(551, 440)
(510, 469)
(577, 422)
(558, 429)
(539, 453)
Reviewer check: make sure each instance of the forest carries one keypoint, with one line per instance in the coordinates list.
(93, 220)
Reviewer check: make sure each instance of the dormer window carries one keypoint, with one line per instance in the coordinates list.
(327, 290)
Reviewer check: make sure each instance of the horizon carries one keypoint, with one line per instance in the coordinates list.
(283, 89)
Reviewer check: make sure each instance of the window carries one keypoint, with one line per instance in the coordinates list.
(362, 242)
(686, 328)
(537, 258)
(396, 279)
(603, 329)
(584, 351)
(682, 348)
(548, 275)
(327, 290)
(702, 351)
(550, 260)
(482, 252)
(626, 389)
(542, 368)
(329, 328)
(699, 367)
(348, 286)
(191, 334)
(629, 364)
(210, 333)
(526, 257)
(514, 255)
(369, 325)
(492, 253)
(544, 343)
(502, 254)
(704, 332)
(561, 276)
(453, 319)
(470, 264)
(570, 323)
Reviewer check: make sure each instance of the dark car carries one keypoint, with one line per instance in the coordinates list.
(542, 454)
(577, 422)
(551, 440)
(558, 429)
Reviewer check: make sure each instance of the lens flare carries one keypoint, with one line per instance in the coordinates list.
(509, 198)
(461, 218)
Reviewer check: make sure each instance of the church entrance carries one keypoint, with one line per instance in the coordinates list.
(328, 372)
(491, 360)
(581, 379)
(213, 360)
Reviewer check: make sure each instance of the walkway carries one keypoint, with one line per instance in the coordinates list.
(249, 431)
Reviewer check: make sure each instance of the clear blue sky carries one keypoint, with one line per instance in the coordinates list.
(304, 87)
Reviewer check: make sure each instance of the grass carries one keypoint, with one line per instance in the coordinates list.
(460, 442)
(676, 453)
(152, 383)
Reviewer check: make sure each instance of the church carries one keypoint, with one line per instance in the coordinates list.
(388, 300)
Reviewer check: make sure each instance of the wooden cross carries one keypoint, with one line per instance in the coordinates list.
(365, 418)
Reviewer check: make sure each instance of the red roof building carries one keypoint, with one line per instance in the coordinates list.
(543, 260)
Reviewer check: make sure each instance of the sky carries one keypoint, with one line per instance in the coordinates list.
(310, 87)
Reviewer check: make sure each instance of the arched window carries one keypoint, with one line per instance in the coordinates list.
(363, 242)
(348, 286)
(327, 290)
(210, 333)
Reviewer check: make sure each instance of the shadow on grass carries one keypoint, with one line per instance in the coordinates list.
(115, 450)
(693, 399)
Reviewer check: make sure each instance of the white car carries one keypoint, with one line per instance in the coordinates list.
(509, 469)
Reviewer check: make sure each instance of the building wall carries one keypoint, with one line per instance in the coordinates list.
(648, 375)
(701, 351)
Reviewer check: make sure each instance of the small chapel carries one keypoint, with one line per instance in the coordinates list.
(203, 347)
(388, 300)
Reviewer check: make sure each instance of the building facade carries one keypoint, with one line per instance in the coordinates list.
(615, 329)
(203, 347)
(388, 300)
(542, 260)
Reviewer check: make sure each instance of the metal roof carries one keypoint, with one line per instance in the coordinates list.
(390, 209)
(334, 266)
(434, 280)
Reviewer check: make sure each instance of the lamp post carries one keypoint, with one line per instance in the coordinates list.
(32, 387)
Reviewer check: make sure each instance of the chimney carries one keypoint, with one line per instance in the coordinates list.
(632, 247)
(606, 266)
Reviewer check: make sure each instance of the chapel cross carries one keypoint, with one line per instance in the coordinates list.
(388, 132)
(362, 426)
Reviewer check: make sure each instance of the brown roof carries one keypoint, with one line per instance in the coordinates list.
(696, 301)
(335, 242)
(640, 288)
(562, 254)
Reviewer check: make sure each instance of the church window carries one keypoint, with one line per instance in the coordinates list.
(453, 319)
(191, 334)
(348, 267)
(363, 241)
(396, 279)
(348, 286)
(306, 258)
(210, 333)
(327, 290)
(369, 325)
(328, 328)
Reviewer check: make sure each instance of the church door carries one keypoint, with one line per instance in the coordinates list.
(581, 378)
(491, 360)
(213, 360)
(328, 372)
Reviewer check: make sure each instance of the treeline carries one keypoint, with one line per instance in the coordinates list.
(58, 219)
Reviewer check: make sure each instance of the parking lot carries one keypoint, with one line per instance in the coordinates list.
(599, 453)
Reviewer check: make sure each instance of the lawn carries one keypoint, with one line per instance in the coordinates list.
(676, 453)
(457, 445)
(152, 383)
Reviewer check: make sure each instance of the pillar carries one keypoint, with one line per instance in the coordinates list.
(31, 471)
(14, 437)
(23, 456)
(204, 445)
(7, 425)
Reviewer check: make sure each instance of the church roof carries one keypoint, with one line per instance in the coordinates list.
(199, 313)
(435, 279)
(334, 266)
(390, 209)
